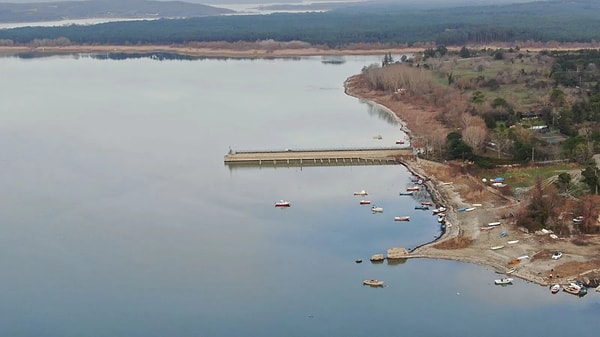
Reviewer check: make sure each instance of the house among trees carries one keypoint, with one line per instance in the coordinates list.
(531, 114)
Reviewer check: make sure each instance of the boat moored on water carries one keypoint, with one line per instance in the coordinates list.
(413, 189)
(406, 193)
(422, 207)
(377, 258)
(572, 288)
(503, 281)
(555, 288)
(363, 192)
(365, 202)
(402, 218)
(377, 209)
(282, 203)
(373, 283)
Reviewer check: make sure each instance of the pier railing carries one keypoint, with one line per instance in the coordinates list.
(319, 157)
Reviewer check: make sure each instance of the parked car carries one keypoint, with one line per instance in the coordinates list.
(556, 255)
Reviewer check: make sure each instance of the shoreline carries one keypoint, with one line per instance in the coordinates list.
(204, 51)
(537, 267)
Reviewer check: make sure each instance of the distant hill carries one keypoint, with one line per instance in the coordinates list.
(71, 10)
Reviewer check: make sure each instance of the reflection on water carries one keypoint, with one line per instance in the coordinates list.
(381, 112)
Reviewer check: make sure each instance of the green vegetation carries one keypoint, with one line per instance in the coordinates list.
(526, 176)
(390, 25)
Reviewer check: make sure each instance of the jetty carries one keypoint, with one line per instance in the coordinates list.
(320, 157)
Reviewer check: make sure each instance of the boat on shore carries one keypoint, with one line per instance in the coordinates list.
(496, 247)
(282, 203)
(439, 210)
(402, 218)
(373, 283)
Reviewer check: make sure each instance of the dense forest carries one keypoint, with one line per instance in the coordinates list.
(575, 21)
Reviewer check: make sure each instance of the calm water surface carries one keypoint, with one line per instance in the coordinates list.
(119, 218)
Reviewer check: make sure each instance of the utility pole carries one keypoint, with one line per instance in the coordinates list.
(596, 178)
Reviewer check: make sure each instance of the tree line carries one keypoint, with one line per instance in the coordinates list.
(538, 21)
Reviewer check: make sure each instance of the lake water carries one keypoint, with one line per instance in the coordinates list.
(118, 216)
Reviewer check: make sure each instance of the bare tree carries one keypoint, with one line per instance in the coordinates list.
(474, 136)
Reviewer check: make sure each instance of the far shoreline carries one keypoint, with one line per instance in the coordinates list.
(202, 51)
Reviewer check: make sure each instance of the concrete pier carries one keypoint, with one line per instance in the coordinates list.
(327, 157)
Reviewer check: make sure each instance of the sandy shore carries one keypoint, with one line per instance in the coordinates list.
(523, 255)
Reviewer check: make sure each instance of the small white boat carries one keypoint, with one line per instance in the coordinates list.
(496, 247)
(555, 288)
(512, 242)
(363, 192)
(494, 224)
(377, 137)
(468, 209)
(402, 218)
(510, 271)
(377, 209)
(373, 283)
(282, 204)
(504, 280)
(486, 228)
(365, 202)
(439, 210)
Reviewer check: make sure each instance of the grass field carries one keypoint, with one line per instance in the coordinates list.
(526, 176)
